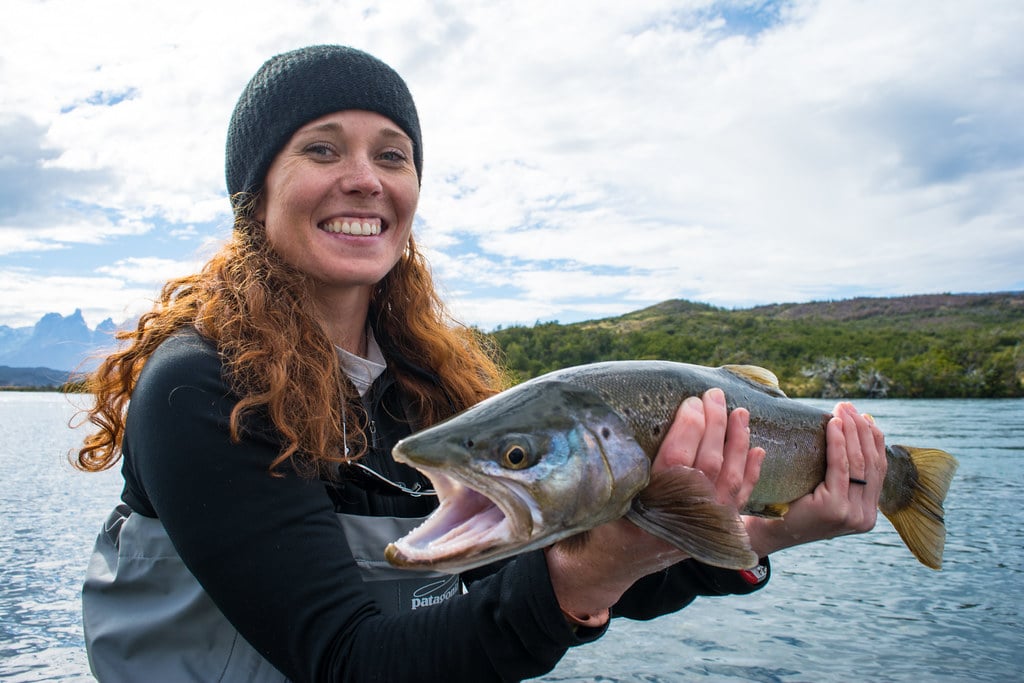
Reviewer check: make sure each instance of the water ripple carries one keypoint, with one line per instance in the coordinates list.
(853, 609)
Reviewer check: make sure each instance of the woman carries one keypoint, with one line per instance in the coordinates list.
(266, 393)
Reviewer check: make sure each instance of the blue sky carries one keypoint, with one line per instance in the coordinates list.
(583, 158)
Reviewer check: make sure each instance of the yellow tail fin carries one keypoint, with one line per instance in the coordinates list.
(921, 523)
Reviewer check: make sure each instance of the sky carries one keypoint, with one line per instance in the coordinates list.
(582, 158)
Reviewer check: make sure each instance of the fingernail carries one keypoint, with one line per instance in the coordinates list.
(693, 405)
(869, 417)
(743, 415)
(716, 395)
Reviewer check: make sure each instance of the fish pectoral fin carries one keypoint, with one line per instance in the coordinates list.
(678, 506)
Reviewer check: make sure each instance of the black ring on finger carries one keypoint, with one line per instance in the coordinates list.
(854, 480)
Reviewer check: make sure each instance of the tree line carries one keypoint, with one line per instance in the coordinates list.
(974, 350)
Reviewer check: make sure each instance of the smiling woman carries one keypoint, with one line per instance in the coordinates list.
(338, 205)
(257, 404)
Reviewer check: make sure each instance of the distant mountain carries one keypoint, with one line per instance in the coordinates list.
(12, 339)
(945, 340)
(56, 342)
(918, 307)
(922, 306)
(35, 378)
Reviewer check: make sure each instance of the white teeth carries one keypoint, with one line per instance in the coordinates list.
(352, 227)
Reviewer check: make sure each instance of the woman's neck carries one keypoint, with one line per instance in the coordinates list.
(343, 318)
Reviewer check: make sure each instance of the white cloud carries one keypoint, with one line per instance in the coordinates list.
(590, 156)
(66, 230)
(150, 271)
(99, 298)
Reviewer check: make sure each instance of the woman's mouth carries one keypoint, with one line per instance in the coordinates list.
(352, 226)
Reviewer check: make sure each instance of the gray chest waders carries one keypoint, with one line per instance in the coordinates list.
(147, 618)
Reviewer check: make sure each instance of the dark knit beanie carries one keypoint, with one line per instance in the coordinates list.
(294, 88)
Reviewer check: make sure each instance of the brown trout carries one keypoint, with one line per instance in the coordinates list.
(572, 449)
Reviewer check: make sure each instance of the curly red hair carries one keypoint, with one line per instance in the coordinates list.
(257, 310)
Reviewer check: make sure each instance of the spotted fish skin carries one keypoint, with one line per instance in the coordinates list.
(572, 449)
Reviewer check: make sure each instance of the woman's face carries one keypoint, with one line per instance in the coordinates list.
(339, 199)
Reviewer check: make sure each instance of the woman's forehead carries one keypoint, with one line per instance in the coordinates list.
(348, 119)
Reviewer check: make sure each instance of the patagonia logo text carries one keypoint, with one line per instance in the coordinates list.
(435, 592)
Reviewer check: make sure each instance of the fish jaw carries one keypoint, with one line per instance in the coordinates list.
(485, 514)
(468, 529)
(582, 468)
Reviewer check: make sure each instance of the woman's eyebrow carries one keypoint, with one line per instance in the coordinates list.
(334, 126)
(326, 127)
(395, 133)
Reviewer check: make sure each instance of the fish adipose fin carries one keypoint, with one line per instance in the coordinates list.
(678, 506)
(921, 523)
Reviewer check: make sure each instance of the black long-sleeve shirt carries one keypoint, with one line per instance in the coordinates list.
(270, 553)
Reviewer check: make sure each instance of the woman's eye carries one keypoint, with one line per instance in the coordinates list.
(394, 156)
(319, 150)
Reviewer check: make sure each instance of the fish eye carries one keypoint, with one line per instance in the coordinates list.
(515, 458)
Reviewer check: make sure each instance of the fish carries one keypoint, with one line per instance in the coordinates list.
(562, 453)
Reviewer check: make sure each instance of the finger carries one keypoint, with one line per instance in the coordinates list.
(869, 452)
(683, 437)
(873, 445)
(856, 430)
(837, 472)
(734, 457)
(863, 454)
(751, 474)
(863, 515)
(881, 462)
(711, 450)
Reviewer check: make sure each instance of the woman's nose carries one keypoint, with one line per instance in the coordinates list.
(359, 175)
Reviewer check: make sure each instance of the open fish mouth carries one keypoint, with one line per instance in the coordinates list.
(468, 527)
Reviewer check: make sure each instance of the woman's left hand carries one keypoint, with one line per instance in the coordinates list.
(846, 502)
(589, 579)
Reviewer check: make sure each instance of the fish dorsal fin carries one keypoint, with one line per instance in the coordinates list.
(765, 379)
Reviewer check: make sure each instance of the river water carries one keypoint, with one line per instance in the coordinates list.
(857, 608)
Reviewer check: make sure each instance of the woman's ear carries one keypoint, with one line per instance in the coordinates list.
(259, 212)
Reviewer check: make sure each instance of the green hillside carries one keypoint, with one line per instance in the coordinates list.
(934, 346)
